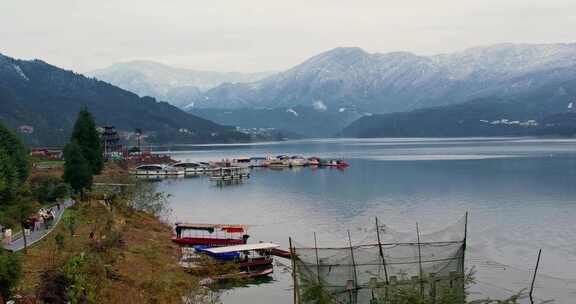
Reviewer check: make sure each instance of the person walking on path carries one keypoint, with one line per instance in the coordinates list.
(49, 218)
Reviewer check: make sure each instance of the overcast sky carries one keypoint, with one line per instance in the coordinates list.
(261, 35)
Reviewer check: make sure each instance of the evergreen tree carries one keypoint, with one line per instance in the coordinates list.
(14, 167)
(77, 170)
(87, 137)
(8, 178)
(16, 151)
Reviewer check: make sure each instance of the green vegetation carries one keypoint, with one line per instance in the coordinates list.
(14, 166)
(107, 249)
(47, 189)
(86, 136)
(52, 97)
(10, 273)
(77, 170)
(115, 254)
(14, 207)
(83, 155)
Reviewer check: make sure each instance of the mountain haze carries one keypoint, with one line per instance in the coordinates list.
(178, 86)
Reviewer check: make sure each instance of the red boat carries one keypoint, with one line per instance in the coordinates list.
(341, 164)
(213, 235)
(335, 163)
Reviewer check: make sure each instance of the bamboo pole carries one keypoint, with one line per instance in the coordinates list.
(317, 259)
(534, 277)
(294, 279)
(464, 243)
(381, 252)
(353, 263)
(420, 260)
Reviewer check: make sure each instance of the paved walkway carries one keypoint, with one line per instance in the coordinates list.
(37, 235)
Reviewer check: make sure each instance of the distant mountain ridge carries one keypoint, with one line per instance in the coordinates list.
(545, 110)
(179, 86)
(397, 81)
(302, 121)
(41, 101)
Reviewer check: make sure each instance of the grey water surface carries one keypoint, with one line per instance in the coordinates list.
(520, 194)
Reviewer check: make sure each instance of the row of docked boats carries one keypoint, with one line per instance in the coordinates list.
(177, 169)
(221, 252)
(235, 169)
(285, 161)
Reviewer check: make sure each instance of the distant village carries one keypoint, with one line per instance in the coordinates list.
(113, 147)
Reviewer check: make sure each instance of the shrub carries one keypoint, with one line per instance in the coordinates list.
(10, 272)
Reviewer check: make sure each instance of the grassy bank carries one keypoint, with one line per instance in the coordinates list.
(107, 251)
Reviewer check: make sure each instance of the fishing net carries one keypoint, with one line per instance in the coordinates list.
(374, 271)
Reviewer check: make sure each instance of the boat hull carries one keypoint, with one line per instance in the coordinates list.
(208, 241)
(243, 275)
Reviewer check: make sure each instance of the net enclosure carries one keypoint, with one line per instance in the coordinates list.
(388, 268)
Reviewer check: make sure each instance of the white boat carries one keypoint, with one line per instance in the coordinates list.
(192, 168)
(280, 161)
(297, 161)
(261, 161)
(157, 170)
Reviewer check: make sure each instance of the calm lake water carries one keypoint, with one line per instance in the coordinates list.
(520, 194)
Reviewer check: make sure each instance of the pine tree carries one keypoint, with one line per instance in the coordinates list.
(77, 170)
(14, 166)
(87, 137)
(17, 152)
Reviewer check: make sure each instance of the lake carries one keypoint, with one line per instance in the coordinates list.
(520, 194)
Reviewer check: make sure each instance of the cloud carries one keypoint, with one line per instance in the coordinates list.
(259, 35)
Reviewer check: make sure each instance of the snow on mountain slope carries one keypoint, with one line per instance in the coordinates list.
(176, 85)
(397, 81)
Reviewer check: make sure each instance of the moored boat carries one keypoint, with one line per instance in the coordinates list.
(281, 161)
(192, 168)
(297, 161)
(210, 234)
(256, 162)
(313, 161)
(157, 170)
(243, 162)
(254, 260)
(336, 163)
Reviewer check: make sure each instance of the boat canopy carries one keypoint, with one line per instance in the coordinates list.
(187, 165)
(246, 247)
(211, 227)
(151, 167)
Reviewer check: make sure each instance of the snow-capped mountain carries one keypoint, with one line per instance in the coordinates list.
(399, 81)
(176, 85)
